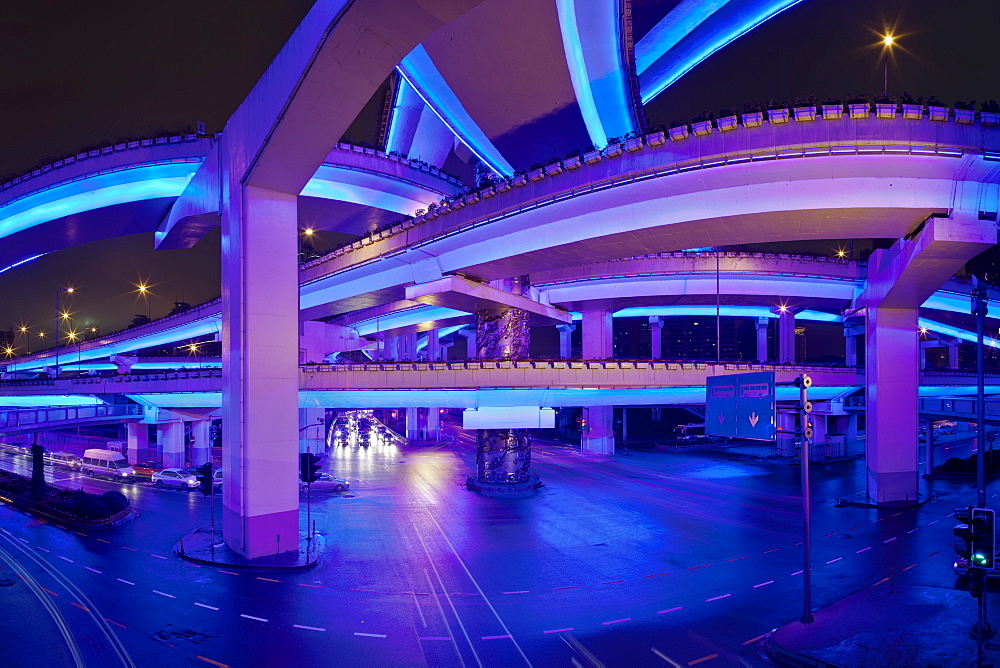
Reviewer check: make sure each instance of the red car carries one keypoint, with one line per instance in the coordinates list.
(146, 469)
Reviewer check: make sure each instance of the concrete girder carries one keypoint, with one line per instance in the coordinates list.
(462, 294)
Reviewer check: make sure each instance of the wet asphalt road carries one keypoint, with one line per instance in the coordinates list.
(648, 558)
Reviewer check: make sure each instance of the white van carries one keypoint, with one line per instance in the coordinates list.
(107, 463)
(67, 459)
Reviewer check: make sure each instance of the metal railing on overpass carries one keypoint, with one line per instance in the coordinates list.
(12, 419)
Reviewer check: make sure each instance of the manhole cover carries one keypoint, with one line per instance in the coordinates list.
(6, 582)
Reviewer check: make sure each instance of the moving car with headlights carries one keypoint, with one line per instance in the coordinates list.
(175, 478)
(147, 469)
(107, 463)
(67, 459)
(327, 483)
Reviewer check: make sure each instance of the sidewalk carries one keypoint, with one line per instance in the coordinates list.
(887, 625)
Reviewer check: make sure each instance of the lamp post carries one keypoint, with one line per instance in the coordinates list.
(887, 41)
(23, 329)
(60, 315)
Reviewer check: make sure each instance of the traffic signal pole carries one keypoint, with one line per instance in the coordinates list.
(982, 629)
(805, 435)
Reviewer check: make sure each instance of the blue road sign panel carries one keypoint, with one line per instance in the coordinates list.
(741, 405)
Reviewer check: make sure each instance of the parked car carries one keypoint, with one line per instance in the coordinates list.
(217, 477)
(147, 469)
(327, 483)
(179, 478)
(67, 459)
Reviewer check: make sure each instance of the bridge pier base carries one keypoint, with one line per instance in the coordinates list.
(599, 438)
(201, 442)
(170, 438)
(138, 441)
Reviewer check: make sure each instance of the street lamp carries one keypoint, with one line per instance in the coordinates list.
(887, 42)
(60, 315)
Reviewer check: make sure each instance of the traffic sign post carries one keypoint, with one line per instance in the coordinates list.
(805, 434)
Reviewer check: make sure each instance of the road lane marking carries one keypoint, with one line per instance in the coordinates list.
(797, 573)
(256, 619)
(209, 607)
(617, 581)
(434, 638)
(313, 586)
(702, 659)
(79, 606)
(933, 553)
(834, 560)
(367, 591)
(156, 591)
(49, 591)
(226, 572)
(214, 663)
(616, 621)
(94, 570)
(267, 579)
(864, 549)
(561, 588)
(694, 568)
(911, 531)
(738, 558)
(764, 584)
(503, 637)
(773, 550)
(568, 628)
(44, 550)
(880, 582)
(126, 582)
(663, 612)
(664, 657)
(516, 592)
(157, 556)
(374, 635)
(909, 567)
(308, 628)
(66, 559)
(889, 540)
(709, 600)
(104, 541)
(753, 640)
(125, 547)
(111, 621)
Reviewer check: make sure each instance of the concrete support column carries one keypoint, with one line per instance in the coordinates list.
(170, 436)
(503, 455)
(786, 336)
(312, 430)
(138, 439)
(408, 347)
(434, 424)
(599, 438)
(433, 346)
(761, 325)
(201, 443)
(953, 349)
(892, 378)
(656, 337)
(598, 335)
(929, 447)
(471, 351)
(260, 326)
(445, 350)
(565, 340)
(413, 424)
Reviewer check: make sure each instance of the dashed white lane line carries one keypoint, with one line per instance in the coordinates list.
(43, 549)
(126, 582)
(256, 619)
(371, 635)
(911, 531)
(616, 621)
(157, 556)
(503, 637)
(155, 591)
(66, 559)
(517, 592)
(709, 600)
(835, 560)
(209, 607)
(308, 628)
(568, 628)
(889, 540)
(864, 549)
(797, 573)
(663, 612)
(94, 570)
(764, 584)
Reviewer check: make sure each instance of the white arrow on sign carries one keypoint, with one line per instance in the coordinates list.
(722, 417)
(753, 419)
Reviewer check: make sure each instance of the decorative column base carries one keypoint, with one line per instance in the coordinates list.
(503, 464)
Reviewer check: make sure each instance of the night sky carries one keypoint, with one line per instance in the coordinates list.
(79, 75)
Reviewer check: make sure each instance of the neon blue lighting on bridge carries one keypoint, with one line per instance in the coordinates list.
(709, 311)
(19, 263)
(419, 71)
(95, 192)
(50, 401)
(691, 33)
(596, 71)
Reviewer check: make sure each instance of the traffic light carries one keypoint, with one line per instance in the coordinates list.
(309, 467)
(804, 382)
(205, 478)
(977, 529)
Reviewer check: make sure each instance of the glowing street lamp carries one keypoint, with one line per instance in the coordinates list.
(887, 42)
(143, 289)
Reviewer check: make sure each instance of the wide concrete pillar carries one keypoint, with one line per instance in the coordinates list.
(656, 337)
(503, 455)
(413, 424)
(786, 336)
(312, 430)
(892, 379)
(953, 348)
(433, 424)
(471, 351)
(599, 437)
(201, 442)
(565, 340)
(408, 347)
(433, 346)
(761, 325)
(137, 435)
(260, 326)
(598, 335)
(170, 437)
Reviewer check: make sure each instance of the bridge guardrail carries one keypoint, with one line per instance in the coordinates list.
(21, 418)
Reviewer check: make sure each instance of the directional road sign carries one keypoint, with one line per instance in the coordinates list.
(741, 406)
